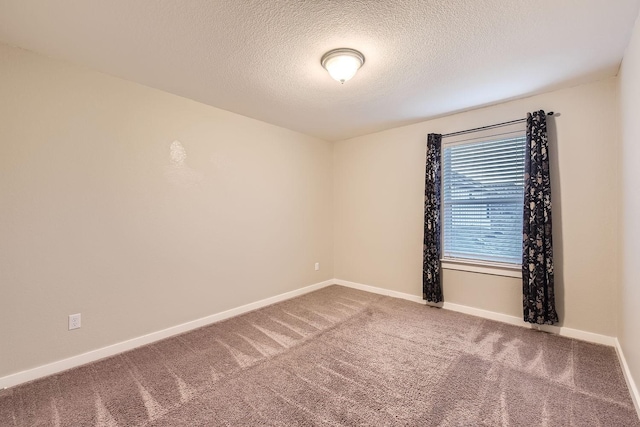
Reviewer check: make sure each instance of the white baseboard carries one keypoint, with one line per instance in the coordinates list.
(111, 350)
(500, 317)
(381, 291)
(635, 395)
(513, 320)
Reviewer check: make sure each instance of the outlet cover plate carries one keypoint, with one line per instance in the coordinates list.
(74, 321)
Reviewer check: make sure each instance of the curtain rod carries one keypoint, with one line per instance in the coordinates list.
(462, 132)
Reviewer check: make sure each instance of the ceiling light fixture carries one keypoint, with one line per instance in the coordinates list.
(343, 63)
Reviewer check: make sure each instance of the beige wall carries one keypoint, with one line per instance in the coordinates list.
(97, 217)
(629, 305)
(378, 196)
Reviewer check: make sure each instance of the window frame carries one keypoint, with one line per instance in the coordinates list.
(477, 265)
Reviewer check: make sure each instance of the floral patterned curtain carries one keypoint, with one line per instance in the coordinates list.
(431, 287)
(537, 247)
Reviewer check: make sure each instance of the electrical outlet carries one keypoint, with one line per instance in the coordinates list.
(74, 321)
(317, 266)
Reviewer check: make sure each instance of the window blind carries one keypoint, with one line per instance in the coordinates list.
(483, 192)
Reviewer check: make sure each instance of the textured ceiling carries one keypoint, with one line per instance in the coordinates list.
(424, 58)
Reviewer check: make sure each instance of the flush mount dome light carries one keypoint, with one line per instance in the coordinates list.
(343, 63)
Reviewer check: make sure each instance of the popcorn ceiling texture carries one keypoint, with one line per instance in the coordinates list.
(262, 58)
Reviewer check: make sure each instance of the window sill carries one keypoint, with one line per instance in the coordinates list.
(481, 267)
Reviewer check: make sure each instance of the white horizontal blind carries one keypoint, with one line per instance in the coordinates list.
(483, 193)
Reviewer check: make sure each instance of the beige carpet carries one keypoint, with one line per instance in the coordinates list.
(339, 357)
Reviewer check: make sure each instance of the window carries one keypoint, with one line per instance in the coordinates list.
(483, 193)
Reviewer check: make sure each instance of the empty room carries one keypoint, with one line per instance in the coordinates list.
(328, 212)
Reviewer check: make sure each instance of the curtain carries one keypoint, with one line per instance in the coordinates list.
(431, 287)
(537, 247)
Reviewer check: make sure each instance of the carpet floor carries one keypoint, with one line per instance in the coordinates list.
(338, 357)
